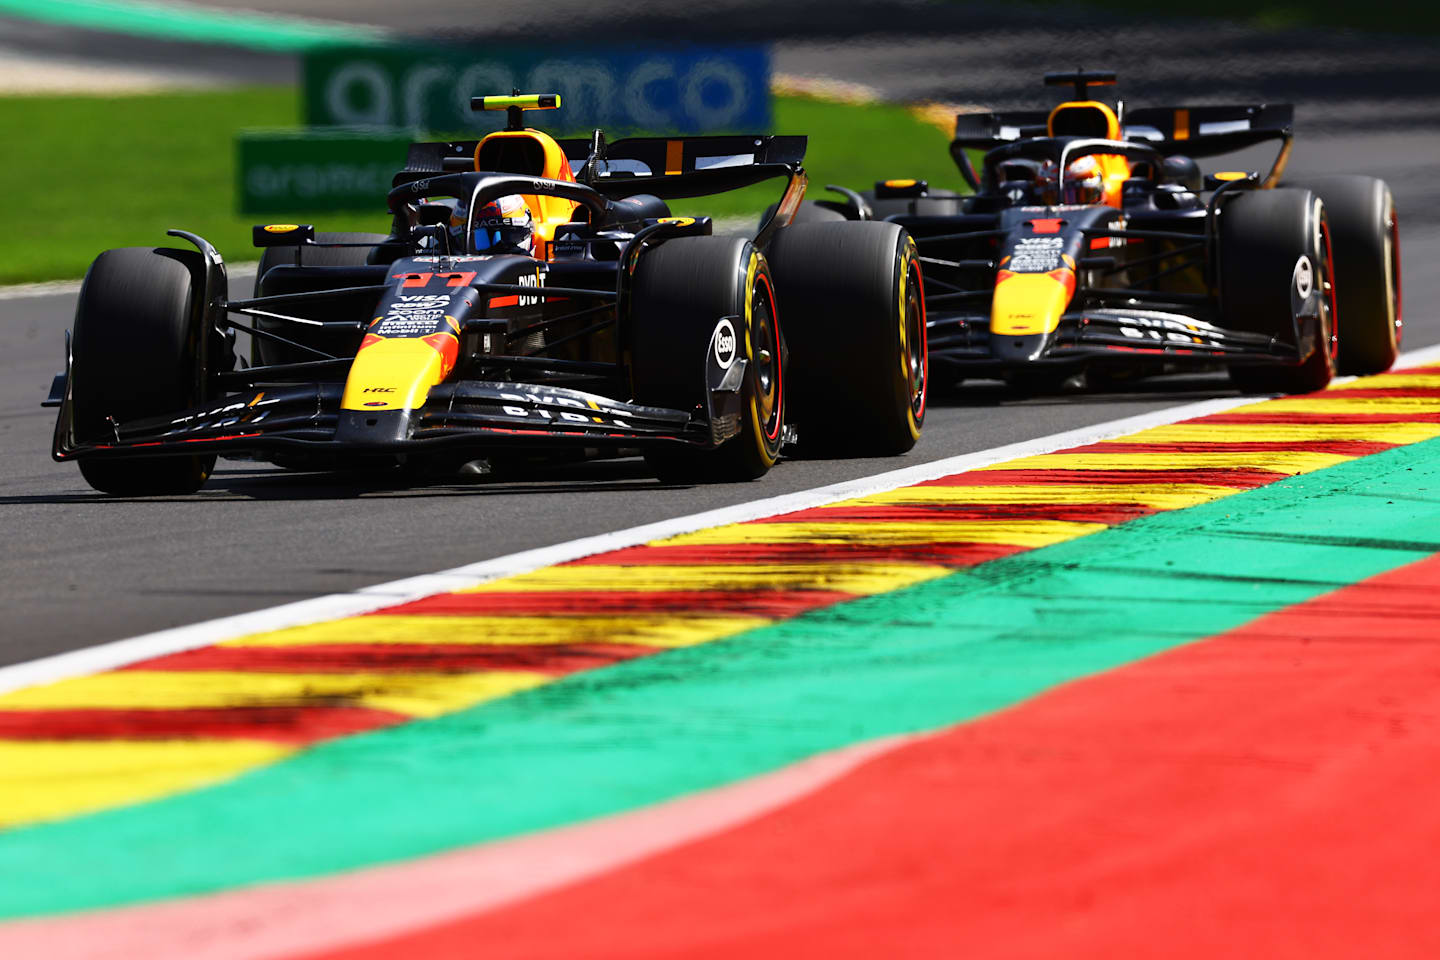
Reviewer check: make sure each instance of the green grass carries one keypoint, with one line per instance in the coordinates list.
(88, 173)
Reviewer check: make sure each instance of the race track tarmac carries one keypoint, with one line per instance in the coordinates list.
(80, 569)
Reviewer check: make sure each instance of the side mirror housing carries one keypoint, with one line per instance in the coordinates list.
(434, 214)
(901, 188)
(1235, 178)
(283, 234)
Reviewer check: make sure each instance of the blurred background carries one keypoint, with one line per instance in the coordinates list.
(126, 118)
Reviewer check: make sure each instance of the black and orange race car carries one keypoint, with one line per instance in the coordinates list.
(1092, 243)
(534, 295)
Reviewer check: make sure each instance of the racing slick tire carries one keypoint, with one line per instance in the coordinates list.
(135, 354)
(680, 290)
(264, 352)
(1365, 242)
(1274, 255)
(853, 303)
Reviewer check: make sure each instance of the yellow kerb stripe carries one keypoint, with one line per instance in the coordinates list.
(50, 780)
(858, 578)
(1335, 401)
(648, 631)
(1393, 381)
(415, 694)
(1163, 496)
(1283, 461)
(1284, 433)
(1025, 533)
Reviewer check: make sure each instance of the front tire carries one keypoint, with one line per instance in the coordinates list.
(854, 307)
(680, 291)
(1365, 238)
(135, 354)
(1276, 264)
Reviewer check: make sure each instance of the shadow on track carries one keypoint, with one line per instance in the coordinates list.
(263, 483)
(1180, 388)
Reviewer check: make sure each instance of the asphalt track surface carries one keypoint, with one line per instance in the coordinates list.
(80, 569)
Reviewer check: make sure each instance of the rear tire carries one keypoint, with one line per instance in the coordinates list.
(264, 352)
(1275, 263)
(680, 291)
(1365, 241)
(135, 350)
(853, 302)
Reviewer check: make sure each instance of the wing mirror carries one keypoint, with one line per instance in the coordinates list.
(283, 234)
(1231, 178)
(434, 214)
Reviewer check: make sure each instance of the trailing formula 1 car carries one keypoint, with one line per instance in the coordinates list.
(534, 296)
(1093, 244)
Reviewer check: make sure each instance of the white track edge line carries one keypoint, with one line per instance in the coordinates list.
(118, 653)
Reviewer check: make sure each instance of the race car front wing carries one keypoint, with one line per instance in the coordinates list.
(965, 342)
(464, 414)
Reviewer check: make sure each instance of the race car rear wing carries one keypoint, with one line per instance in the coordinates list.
(1193, 131)
(671, 168)
(1209, 131)
(667, 167)
(677, 167)
(985, 130)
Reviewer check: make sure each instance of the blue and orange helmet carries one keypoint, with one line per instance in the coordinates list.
(504, 225)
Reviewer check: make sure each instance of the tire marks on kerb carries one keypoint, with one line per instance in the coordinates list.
(679, 583)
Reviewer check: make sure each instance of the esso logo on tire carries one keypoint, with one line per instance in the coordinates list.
(1304, 277)
(724, 344)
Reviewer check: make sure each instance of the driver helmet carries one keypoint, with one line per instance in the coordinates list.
(503, 225)
(1045, 177)
(1084, 181)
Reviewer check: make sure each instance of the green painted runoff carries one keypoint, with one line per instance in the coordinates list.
(652, 729)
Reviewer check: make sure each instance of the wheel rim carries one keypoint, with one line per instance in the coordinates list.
(765, 338)
(917, 359)
(1329, 317)
(1392, 279)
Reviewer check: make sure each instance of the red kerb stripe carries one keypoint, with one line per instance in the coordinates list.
(751, 603)
(398, 657)
(289, 725)
(945, 554)
(940, 512)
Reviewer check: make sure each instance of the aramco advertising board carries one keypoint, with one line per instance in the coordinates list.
(383, 96)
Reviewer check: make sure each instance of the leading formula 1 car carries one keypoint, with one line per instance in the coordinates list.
(1092, 243)
(616, 326)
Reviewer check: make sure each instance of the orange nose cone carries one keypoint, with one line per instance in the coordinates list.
(397, 373)
(1030, 303)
